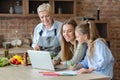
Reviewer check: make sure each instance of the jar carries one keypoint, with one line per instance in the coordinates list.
(11, 10)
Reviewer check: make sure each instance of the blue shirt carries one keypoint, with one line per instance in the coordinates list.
(102, 60)
(56, 25)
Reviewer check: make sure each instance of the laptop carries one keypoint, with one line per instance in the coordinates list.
(42, 60)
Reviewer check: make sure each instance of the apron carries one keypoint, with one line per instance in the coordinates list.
(50, 43)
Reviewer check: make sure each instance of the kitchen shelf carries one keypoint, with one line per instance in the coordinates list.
(33, 4)
(5, 7)
(64, 7)
(29, 7)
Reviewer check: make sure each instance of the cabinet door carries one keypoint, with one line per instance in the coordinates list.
(11, 8)
(31, 9)
(64, 7)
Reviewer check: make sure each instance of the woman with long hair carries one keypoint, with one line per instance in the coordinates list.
(71, 51)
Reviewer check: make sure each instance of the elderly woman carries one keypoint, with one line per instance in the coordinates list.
(47, 32)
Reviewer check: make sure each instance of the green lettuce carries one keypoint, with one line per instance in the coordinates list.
(4, 61)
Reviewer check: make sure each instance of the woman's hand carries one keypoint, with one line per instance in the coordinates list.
(55, 62)
(72, 67)
(37, 48)
(75, 67)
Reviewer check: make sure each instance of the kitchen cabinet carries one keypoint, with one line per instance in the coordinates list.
(64, 7)
(29, 7)
(6, 5)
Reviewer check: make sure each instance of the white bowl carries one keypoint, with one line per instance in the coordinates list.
(17, 42)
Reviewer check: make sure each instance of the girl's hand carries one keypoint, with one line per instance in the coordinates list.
(55, 62)
(84, 70)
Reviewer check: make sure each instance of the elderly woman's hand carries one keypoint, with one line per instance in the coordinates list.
(37, 48)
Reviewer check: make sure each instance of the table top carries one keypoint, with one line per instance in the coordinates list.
(22, 72)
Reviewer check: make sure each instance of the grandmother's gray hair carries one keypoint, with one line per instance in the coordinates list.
(44, 7)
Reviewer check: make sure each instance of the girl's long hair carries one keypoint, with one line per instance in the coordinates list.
(89, 28)
(65, 47)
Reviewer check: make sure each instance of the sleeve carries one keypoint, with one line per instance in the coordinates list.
(103, 55)
(79, 53)
(84, 62)
(59, 25)
(35, 37)
(57, 58)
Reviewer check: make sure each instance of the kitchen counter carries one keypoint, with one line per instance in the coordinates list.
(22, 72)
(15, 50)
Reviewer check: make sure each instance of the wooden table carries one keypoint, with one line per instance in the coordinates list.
(22, 72)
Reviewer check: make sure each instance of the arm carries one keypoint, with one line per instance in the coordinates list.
(82, 64)
(56, 59)
(35, 39)
(79, 53)
(103, 56)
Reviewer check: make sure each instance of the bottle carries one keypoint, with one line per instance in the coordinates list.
(51, 55)
(11, 11)
(59, 10)
(98, 14)
(6, 52)
(25, 59)
(18, 8)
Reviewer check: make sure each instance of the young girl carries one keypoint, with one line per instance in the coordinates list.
(98, 58)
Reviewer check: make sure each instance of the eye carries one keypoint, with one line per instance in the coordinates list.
(47, 16)
(41, 17)
(64, 31)
(70, 30)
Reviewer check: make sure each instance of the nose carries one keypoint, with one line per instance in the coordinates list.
(45, 18)
(65, 34)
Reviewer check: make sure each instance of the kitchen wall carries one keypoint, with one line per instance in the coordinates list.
(109, 12)
(24, 26)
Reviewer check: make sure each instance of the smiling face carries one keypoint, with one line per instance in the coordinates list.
(68, 33)
(45, 18)
(80, 37)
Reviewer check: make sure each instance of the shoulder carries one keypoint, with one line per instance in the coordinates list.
(57, 23)
(37, 29)
(83, 45)
(39, 26)
(100, 42)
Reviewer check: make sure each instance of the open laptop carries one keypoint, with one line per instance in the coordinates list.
(42, 60)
